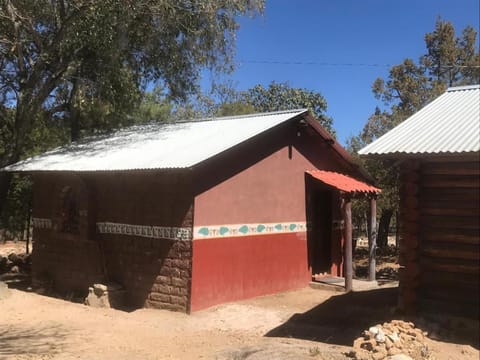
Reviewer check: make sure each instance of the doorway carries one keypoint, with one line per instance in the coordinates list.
(319, 232)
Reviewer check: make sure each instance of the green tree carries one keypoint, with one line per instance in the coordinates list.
(78, 60)
(449, 61)
(280, 96)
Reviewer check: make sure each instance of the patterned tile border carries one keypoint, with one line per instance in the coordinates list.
(217, 231)
(155, 232)
(41, 223)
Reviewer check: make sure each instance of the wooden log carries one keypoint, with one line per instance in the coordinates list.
(411, 270)
(409, 189)
(450, 182)
(409, 202)
(407, 257)
(410, 215)
(372, 241)
(450, 222)
(460, 236)
(450, 168)
(410, 242)
(347, 209)
(450, 211)
(467, 203)
(450, 266)
(409, 227)
(450, 254)
(450, 280)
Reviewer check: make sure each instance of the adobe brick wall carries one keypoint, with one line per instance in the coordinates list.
(156, 272)
(67, 262)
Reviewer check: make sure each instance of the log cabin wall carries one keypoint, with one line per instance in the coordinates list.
(440, 209)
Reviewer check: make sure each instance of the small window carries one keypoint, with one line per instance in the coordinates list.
(69, 211)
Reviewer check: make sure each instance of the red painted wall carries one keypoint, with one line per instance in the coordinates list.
(260, 181)
(235, 268)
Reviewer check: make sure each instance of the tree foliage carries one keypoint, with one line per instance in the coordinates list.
(280, 96)
(83, 63)
(449, 61)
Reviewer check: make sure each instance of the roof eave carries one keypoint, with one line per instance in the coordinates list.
(313, 122)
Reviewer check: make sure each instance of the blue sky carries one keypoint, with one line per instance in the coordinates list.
(339, 32)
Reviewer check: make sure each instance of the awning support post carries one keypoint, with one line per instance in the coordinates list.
(347, 214)
(372, 240)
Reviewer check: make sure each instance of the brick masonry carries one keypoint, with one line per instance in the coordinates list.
(155, 272)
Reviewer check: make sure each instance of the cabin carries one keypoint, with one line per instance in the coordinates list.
(437, 149)
(187, 215)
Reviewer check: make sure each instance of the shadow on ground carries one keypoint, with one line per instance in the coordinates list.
(342, 318)
(37, 341)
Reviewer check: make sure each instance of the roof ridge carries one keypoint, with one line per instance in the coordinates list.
(464, 87)
(234, 117)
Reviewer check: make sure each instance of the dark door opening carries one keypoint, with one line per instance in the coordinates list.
(319, 234)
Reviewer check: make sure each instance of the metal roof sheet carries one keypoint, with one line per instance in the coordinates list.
(449, 124)
(157, 146)
(343, 182)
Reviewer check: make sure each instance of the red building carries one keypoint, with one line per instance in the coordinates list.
(188, 215)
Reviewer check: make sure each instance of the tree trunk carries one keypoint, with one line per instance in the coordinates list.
(383, 227)
(74, 124)
(5, 181)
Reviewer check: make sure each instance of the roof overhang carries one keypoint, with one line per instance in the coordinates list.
(344, 183)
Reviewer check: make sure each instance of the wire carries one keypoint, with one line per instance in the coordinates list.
(321, 63)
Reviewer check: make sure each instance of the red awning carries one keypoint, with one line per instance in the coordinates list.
(342, 182)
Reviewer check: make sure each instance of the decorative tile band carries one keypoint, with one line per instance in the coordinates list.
(216, 231)
(40, 223)
(156, 232)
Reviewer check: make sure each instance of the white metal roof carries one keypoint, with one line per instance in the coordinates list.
(157, 146)
(449, 124)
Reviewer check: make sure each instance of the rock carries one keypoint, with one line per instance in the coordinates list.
(393, 351)
(368, 345)
(388, 343)
(15, 269)
(358, 342)
(362, 355)
(380, 336)
(373, 330)
(15, 259)
(378, 356)
(105, 296)
(394, 337)
(99, 289)
(400, 357)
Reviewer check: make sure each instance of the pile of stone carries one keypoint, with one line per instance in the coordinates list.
(395, 340)
(15, 263)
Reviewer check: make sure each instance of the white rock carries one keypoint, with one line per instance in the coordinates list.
(374, 330)
(380, 337)
(399, 357)
(394, 337)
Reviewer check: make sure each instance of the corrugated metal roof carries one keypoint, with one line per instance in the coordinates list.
(158, 146)
(449, 124)
(343, 182)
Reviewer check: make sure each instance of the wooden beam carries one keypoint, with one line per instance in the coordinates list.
(347, 214)
(372, 241)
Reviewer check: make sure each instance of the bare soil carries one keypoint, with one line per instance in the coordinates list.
(303, 324)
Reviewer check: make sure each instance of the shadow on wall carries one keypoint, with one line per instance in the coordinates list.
(32, 341)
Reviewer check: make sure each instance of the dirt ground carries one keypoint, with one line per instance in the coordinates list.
(302, 324)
